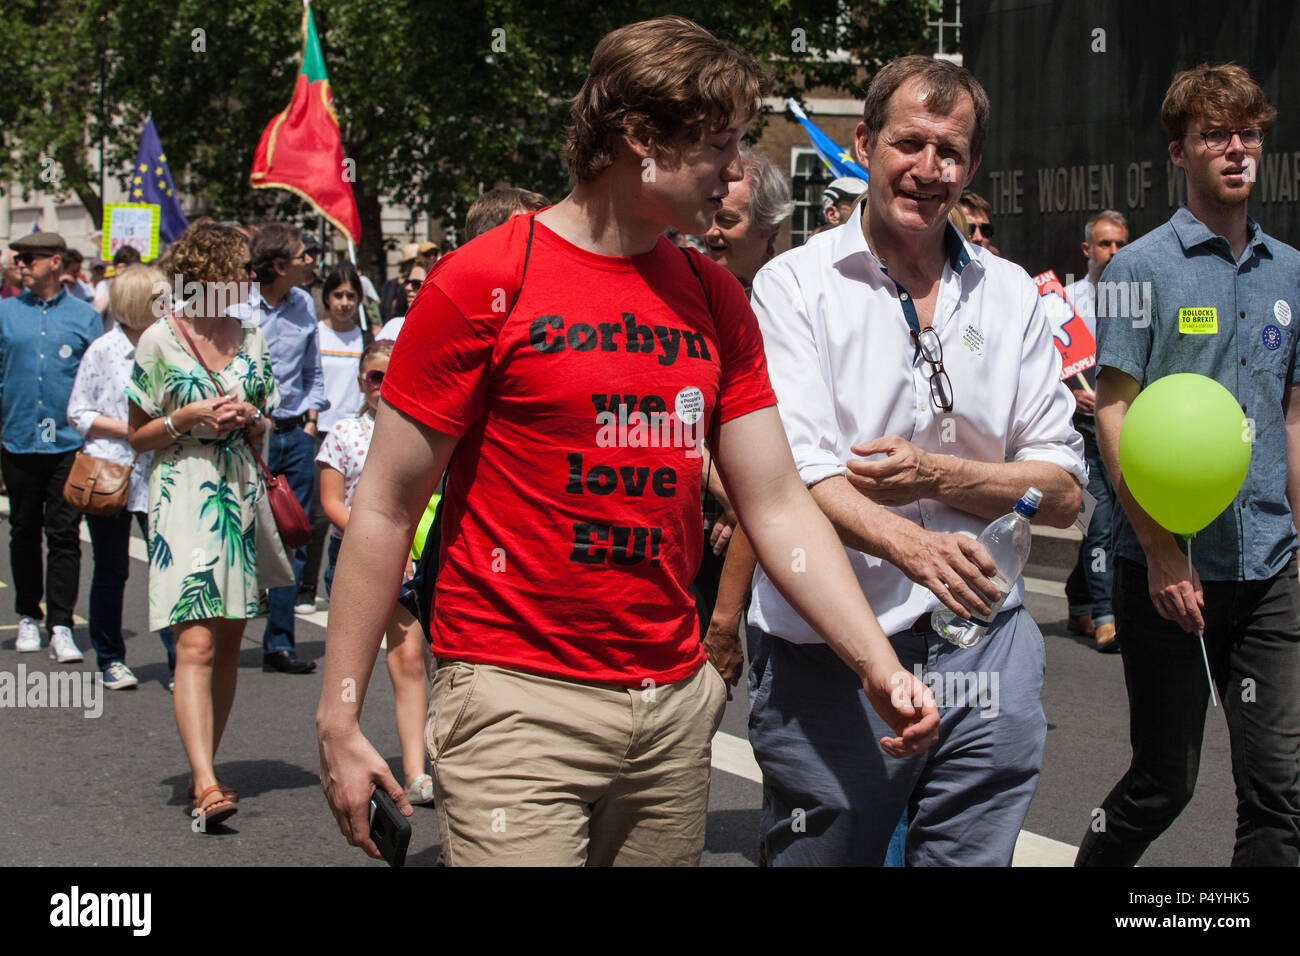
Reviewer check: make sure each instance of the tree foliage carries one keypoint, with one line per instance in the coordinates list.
(436, 98)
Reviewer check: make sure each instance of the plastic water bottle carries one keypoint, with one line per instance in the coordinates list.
(1007, 540)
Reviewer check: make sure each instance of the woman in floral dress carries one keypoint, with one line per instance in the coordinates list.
(210, 554)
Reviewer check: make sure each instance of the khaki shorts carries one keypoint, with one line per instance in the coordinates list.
(539, 771)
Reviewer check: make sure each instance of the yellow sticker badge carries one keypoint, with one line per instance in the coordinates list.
(1198, 321)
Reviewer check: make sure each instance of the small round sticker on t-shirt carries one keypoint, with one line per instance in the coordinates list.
(689, 405)
(1282, 312)
(1272, 337)
(65, 351)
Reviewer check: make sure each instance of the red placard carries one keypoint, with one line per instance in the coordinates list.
(1070, 332)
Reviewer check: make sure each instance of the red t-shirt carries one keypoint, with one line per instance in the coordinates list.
(565, 549)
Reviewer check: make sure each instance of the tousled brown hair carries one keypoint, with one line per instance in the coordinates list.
(208, 252)
(943, 84)
(1222, 92)
(669, 81)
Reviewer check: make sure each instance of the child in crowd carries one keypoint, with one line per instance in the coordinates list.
(341, 343)
(340, 461)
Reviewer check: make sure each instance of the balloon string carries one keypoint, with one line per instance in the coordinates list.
(1201, 634)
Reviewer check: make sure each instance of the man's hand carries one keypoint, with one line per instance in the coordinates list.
(722, 647)
(350, 771)
(905, 475)
(1175, 597)
(957, 569)
(906, 704)
(721, 533)
(1084, 401)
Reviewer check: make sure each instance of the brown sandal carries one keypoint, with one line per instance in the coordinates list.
(230, 793)
(214, 810)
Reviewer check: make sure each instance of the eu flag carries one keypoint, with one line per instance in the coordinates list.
(151, 181)
(839, 161)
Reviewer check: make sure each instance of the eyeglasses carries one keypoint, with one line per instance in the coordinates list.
(413, 283)
(1218, 139)
(986, 228)
(373, 378)
(27, 258)
(940, 385)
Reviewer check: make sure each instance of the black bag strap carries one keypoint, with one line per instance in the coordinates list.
(418, 598)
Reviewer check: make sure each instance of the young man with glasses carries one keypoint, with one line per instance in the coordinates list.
(282, 263)
(1243, 592)
(43, 334)
(921, 393)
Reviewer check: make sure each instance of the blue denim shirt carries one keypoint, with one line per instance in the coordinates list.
(41, 344)
(1249, 347)
(290, 331)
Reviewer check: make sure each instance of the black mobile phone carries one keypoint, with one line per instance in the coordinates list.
(388, 828)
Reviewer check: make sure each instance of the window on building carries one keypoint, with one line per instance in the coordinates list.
(809, 177)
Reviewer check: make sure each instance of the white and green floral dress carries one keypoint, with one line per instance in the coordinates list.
(207, 504)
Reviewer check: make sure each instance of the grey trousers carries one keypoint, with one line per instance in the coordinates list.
(831, 797)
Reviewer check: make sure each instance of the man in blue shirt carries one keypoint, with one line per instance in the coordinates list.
(1243, 592)
(280, 262)
(43, 334)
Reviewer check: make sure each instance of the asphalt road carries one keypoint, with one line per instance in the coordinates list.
(110, 790)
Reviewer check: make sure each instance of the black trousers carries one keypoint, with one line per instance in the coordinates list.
(36, 504)
(1252, 636)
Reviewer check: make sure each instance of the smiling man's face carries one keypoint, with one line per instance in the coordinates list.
(920, 162)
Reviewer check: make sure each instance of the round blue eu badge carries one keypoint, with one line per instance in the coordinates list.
(1272, 337)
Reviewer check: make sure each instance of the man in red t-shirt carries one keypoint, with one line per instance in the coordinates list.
(573, 360)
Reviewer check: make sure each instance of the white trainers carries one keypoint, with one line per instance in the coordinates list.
(117, 676)
(29, 635)
(421, 791)
(62, 647)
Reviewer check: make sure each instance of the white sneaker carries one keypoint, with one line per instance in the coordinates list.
(117, 676)
(421, 791)
(62, 647)
(29, 635)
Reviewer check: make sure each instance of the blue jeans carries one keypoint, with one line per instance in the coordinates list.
(831, 797)
(110, 541)
(291, 454)
(1087, 590)
(333, 554)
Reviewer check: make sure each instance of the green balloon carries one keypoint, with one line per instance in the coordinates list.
(1184, 451)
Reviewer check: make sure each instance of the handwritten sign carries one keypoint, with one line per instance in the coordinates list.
(1070, 333)
(131, 224)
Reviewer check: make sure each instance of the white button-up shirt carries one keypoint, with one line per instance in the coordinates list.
(845, 370)
(100, 389)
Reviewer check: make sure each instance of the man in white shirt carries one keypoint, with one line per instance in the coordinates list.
(850, 321)
(1087, 592)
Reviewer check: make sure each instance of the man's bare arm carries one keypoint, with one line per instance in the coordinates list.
(954, 567)
(403, 466)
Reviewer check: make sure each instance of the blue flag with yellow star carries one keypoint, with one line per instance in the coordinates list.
(838, 161)
(151, 181)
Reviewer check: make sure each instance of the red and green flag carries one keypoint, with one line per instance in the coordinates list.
(301, 149)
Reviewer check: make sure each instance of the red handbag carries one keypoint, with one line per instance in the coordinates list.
(290, 520)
